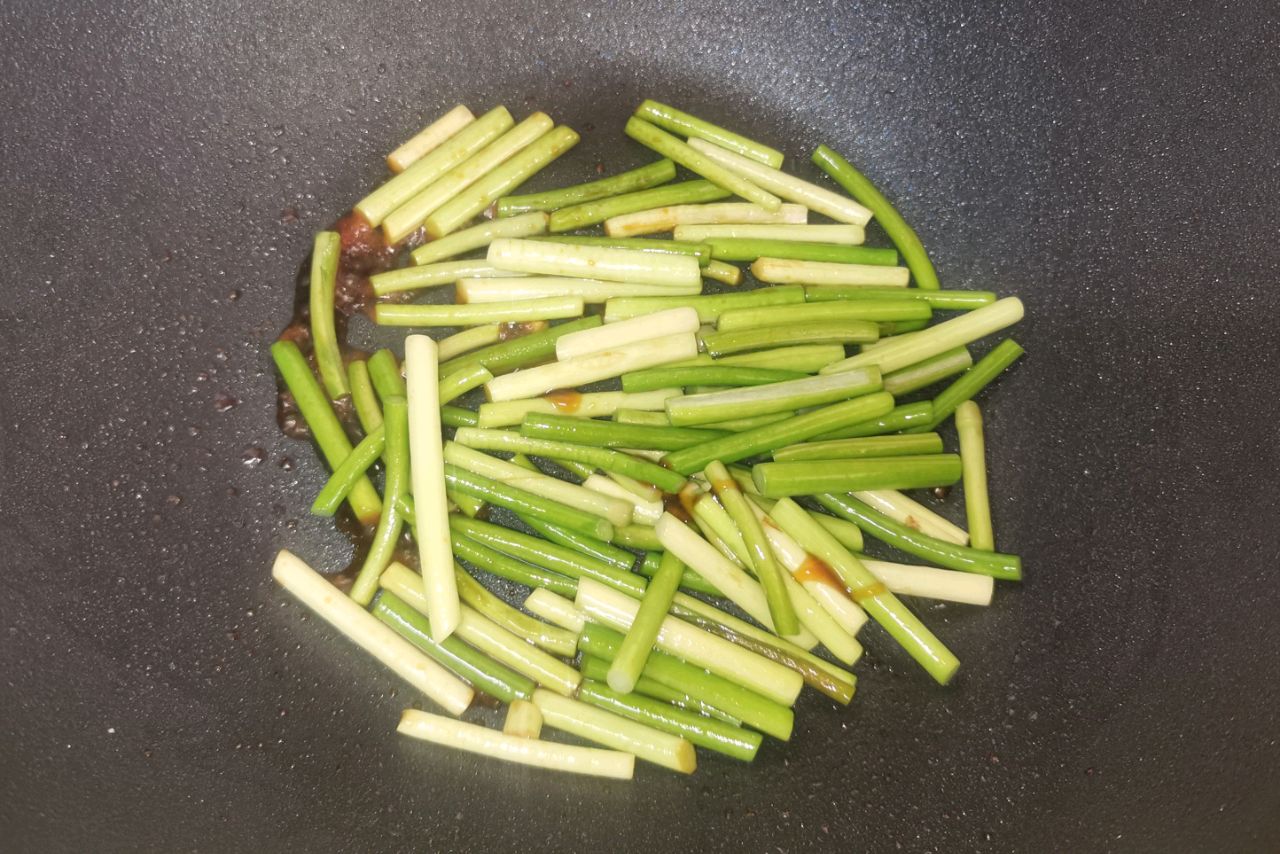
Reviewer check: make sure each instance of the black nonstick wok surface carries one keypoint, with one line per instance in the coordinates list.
(162, 169)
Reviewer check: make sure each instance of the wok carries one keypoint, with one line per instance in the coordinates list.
(164, 168)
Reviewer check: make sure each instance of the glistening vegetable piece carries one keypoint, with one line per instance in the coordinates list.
(789, 187)
(548, 308)
(973, 453)
(592, 761)
(767, 399)
(658, 172)
(1002, 567)
(750, 249)
(610, 434)
(871, 446)
(940, 300)
(594, 262)
(902, 235)
(947, 335)
(429, 138)
(391, 522)
(400, 656)
(511, 174)
(475, 237)
(671, 321)
(325, 428)
(470, 139)
(907, 511)
(571, 403)
(827, 312)
(974, 380)
(592, 367)
(679, 122)
(495, 290)
(869, 592)
(709, 307)
(790, 271)
(519, 352)
(324, 337)
(809, 477)
(590, 213)
(426, 456)
(849, 235)
(739, 446)
(630, 660)
(834, 332)
(405, 219)
(671, 147)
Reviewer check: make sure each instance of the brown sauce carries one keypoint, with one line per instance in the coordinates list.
(815, 569)
(565, 400)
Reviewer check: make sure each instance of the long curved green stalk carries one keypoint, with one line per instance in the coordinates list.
(903, 236)
(324, 338)
(325, 428)
(658, 172)
(363, 398)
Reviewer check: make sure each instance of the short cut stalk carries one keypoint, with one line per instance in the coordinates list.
(429, 138)
(629, 662)
(790, 271)
(476, 237)
(418, 316)
(709, 307)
